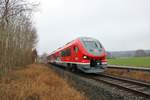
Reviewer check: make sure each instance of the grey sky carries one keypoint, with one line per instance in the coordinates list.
(117, 24)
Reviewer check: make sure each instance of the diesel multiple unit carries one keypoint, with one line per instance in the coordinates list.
(84, 53)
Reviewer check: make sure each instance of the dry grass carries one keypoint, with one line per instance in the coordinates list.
(36, 82)
(139, 75)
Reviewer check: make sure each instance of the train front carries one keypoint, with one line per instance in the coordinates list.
(95, 54)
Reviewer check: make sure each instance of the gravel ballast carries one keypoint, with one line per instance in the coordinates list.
(96, 90)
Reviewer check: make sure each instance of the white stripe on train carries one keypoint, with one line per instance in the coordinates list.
(77, 62)
(72, 62)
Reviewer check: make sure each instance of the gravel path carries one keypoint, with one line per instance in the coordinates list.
(95, 90)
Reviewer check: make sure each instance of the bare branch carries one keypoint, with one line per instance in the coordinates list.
(18, 36)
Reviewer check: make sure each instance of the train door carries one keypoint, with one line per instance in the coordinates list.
(76, 54)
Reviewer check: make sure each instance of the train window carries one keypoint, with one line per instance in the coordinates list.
(99, 44)
(62, 53)
(92, 44)
(66, 52)
(76, 49)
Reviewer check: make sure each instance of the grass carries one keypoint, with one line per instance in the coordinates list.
(36, 82)
(132, 61)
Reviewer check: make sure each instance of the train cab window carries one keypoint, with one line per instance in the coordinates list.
(76, 49)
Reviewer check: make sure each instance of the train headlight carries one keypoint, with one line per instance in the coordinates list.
(85, 57)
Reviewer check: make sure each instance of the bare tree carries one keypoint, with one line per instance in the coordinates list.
(18, 36)
(14, 8)
(43, 58)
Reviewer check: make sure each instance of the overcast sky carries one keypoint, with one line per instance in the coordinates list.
(117, 24)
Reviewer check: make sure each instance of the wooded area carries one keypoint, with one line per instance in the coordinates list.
(18, 36)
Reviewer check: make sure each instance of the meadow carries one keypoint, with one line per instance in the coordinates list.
(131, 61)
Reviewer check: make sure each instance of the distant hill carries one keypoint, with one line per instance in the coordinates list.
(126, 53)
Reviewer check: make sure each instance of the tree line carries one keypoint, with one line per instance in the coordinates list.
(18, 36)
(136, 53)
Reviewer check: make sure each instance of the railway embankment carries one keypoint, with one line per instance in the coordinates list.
(95, 90)
(36, 82)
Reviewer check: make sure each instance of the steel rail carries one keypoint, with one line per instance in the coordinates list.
(130, 85)
(137, 87)
(129, 68)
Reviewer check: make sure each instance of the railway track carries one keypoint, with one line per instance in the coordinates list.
(132, 86)
(137, 87)
(129, 68)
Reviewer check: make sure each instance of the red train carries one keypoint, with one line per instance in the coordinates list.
(84, 53)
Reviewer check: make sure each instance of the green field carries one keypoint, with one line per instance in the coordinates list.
(132, 61)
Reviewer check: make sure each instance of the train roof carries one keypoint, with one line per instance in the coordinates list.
(65, 46)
